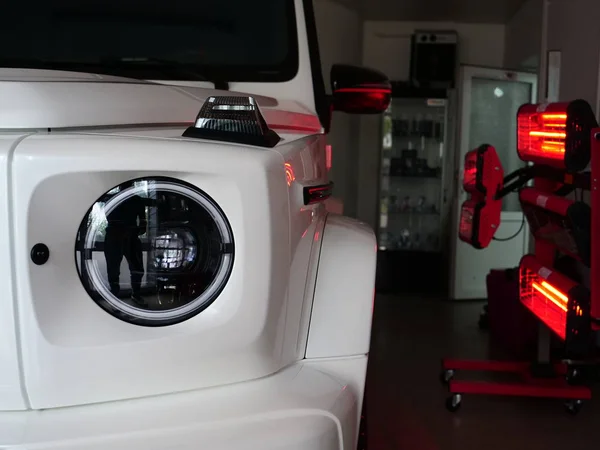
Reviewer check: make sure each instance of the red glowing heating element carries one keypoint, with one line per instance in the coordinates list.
(556, 134)
(558, 301)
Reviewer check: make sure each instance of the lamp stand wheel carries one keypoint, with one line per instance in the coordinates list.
(574, 376)
(453, 402)
(573, 406)
(446, 376)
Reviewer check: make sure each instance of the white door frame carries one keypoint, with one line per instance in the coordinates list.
(467, 73)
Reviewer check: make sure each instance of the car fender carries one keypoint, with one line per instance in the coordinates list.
(342, 309)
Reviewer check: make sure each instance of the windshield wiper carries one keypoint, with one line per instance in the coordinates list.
(165, 65)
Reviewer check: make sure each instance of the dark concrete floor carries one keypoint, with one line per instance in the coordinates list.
(406, 400)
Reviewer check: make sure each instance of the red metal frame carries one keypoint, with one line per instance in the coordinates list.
(538, 267)
(533, 196)
(526, 385)
(550, 218)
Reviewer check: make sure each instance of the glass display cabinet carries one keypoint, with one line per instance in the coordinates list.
(411, 178)
(412, 222)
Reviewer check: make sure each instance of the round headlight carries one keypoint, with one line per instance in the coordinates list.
(154, 251)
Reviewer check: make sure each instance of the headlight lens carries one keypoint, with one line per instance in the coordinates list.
(154, 251)
(174, 249)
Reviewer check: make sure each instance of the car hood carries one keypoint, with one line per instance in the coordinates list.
(46, 99)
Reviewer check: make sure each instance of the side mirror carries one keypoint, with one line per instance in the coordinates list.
(358, 90)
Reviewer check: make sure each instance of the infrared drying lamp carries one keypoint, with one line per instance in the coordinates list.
(562, 304)
(553, 282)
(556, 134)
(557, 138)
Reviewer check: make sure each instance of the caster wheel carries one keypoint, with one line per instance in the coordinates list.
(573, 376)
(446, 376)
(573, 406)
(453, 402)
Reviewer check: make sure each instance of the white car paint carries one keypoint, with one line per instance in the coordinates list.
(34, 100)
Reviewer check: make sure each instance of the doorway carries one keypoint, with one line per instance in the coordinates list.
(488, 103)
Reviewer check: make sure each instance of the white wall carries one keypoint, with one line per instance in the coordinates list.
(386, 46)
(340, 39)
(572, 28)
(524, 37)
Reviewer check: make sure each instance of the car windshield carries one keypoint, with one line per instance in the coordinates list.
(229, 40)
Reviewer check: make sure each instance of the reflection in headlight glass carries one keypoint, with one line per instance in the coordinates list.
(154, 249)
(175, 250)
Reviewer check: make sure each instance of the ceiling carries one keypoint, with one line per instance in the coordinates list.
(474, 11)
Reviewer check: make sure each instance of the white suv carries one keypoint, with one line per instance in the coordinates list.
(172, 279)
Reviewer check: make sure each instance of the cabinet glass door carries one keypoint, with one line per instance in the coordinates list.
(411, 175)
